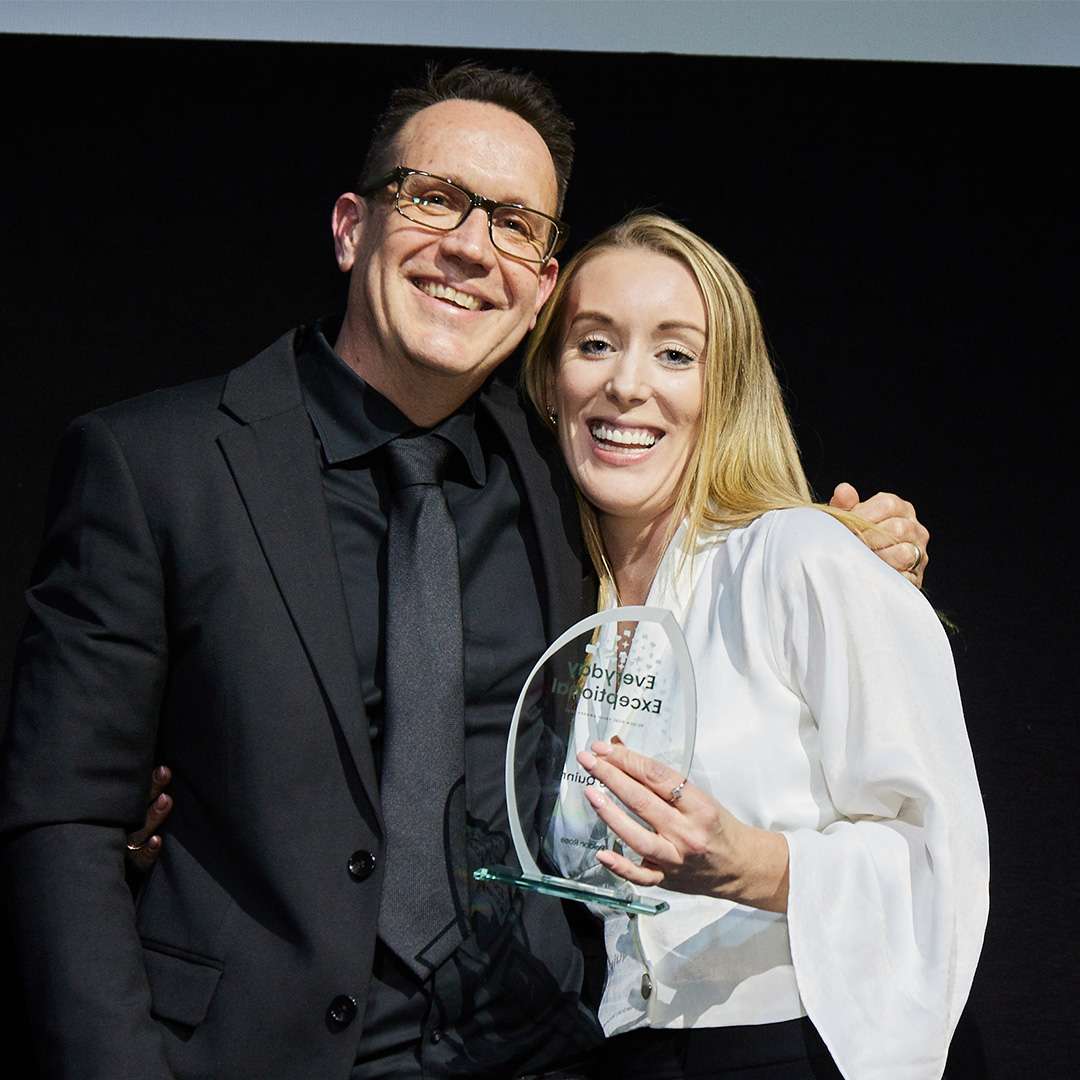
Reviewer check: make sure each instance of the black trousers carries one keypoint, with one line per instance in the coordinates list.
(790, 1050)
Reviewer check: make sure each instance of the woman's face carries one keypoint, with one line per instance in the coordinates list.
(627, 388)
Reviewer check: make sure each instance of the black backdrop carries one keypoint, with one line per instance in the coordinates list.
(910, 231)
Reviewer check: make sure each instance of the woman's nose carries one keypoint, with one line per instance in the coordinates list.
(628, 382)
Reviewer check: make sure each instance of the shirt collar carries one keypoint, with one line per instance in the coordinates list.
(352, 418)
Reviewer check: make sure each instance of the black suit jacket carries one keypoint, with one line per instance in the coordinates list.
(187, 609)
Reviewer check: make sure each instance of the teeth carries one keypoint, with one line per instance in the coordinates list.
(623, 437)
(444, 292)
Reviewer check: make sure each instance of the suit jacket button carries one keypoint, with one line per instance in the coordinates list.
(361, 864)
(341, 1013)
(436, 1035)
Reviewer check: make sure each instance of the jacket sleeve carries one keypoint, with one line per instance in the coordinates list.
(888, 900)
(76, 764)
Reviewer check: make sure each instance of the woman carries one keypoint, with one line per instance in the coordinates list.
(651, 356)
(830, 839)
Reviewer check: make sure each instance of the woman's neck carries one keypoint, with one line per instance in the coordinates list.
(634, 552)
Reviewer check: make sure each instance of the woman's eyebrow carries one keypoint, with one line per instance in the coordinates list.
(607, 320)
(676, 324)
(592, 316)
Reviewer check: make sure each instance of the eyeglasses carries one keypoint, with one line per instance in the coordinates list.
(441, 204)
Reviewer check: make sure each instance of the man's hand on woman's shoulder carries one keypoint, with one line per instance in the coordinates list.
(900, 539)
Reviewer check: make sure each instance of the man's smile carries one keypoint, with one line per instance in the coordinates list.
(438, 291)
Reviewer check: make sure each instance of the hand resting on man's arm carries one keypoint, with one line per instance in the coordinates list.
(144, 845)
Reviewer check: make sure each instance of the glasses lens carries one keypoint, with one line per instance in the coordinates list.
(524, 234)
(432, 202)
(438, 204)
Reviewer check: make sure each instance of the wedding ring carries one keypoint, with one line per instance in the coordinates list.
(136, 847)
(676, 792)
(918, 559)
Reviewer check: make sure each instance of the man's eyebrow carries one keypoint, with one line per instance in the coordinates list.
(455, 179)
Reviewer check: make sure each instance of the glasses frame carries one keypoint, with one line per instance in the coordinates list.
(399, 174)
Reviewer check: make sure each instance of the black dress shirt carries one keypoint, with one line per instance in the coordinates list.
(503, 629)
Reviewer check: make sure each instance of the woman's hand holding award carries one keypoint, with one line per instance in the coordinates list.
(624, 674)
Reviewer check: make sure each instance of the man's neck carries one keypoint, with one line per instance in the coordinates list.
(426, 399)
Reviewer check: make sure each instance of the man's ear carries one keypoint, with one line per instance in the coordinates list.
(548, 275)
(350, 211)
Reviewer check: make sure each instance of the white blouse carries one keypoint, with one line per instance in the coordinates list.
(828, 710)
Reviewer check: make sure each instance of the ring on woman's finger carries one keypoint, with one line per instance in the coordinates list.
(676, 792)
(136, 847)
(918, 559)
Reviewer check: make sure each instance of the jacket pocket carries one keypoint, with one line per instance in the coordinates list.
(181, 985)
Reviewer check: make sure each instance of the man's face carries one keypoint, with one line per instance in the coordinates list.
(432, 314)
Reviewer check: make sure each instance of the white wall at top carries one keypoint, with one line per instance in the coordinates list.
(960, 31)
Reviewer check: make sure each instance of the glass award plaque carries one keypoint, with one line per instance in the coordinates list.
(624, 673)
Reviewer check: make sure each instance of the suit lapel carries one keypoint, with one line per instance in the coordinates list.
(569, 593)
(273, 457)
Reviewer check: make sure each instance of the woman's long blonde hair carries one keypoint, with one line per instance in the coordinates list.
(745, 460)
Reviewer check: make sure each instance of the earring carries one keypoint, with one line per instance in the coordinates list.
(552, 417)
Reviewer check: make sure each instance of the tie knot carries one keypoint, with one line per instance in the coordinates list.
(417, 459)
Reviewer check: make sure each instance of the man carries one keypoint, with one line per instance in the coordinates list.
(215, 592)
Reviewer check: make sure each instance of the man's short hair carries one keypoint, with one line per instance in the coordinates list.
(518, 92)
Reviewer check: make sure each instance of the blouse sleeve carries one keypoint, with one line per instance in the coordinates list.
(888, 898)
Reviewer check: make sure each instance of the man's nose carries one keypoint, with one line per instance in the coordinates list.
(471, 240)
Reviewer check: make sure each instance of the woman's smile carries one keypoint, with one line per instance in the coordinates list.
(611, 436)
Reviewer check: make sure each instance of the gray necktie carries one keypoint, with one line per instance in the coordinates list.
(425, 894)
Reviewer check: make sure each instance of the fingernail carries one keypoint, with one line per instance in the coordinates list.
(602, 748)
(159, 773)
(586, 759)
(596, 800)
(161, 801)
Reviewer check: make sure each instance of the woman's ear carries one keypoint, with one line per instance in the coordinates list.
(549, 395)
